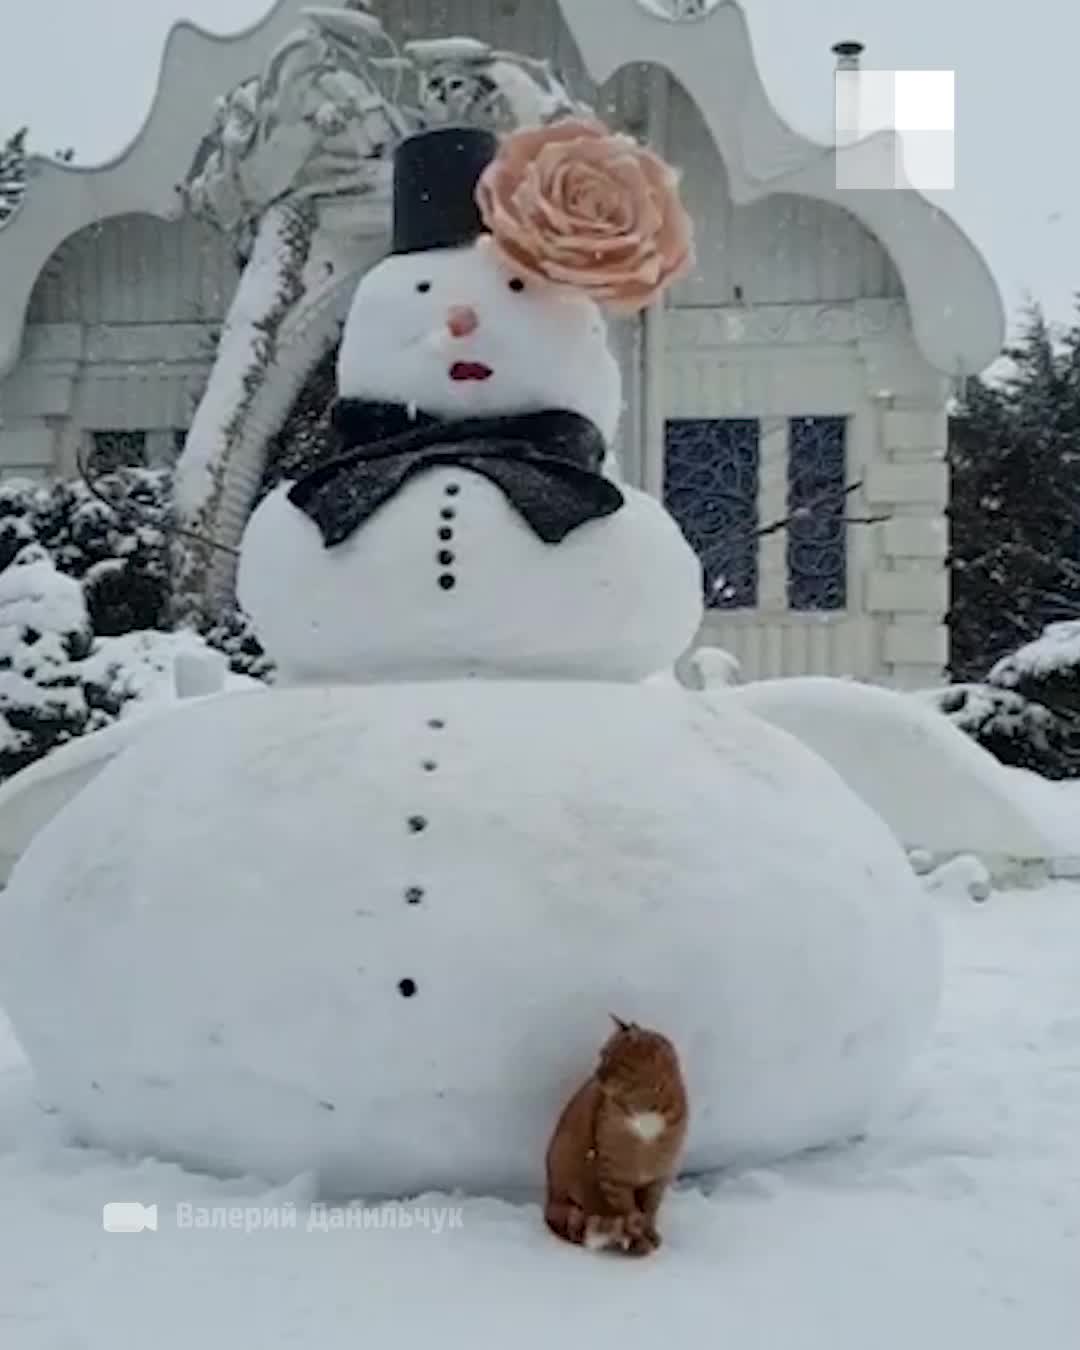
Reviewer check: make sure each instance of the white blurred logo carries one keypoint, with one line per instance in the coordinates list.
(128, 1216)
(895, 129)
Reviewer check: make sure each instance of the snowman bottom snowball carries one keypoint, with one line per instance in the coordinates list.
(376, 933)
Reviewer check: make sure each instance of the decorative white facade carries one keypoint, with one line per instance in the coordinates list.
(813, 348)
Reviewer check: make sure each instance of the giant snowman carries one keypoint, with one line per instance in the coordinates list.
(371, 923)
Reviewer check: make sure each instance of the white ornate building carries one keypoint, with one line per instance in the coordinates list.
(813, 348)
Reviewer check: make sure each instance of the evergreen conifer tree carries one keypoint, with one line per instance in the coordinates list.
(1015, 527)
(12, 173)
(1015, 502)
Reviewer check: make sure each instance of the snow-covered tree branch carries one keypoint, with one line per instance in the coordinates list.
(12, 174)
(316, 129)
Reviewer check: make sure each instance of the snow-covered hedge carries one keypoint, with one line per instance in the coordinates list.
(120, 555)
(84, 610)
(235, 637)
(50, 691)
(1027, 710)
(1047, 669)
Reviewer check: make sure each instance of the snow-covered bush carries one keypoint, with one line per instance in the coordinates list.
(1019, 732)
(1046, 670)
(234, 636)
(1027, 710)
(119, 555)
(48, 692)
(85, 609)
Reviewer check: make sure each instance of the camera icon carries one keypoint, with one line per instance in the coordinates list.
(129, 1216)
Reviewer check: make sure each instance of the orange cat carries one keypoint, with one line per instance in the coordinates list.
(617, 1144)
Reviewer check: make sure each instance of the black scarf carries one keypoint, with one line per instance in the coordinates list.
(547, 464)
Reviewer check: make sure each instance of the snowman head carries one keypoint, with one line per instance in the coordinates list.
(445, 327)
(455, 333)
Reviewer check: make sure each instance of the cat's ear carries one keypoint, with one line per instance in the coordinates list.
(623, 1026)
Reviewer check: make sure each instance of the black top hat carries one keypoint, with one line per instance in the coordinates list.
(435, 178)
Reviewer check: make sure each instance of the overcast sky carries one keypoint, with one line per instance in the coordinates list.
(82, 72)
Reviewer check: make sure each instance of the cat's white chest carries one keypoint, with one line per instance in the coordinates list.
(648, 1126)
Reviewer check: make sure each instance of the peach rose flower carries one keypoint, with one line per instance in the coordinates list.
(575, 205)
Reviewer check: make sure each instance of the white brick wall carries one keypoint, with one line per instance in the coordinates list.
(923, 593)
(916, 645)
(916, 537)
(26, 444)
(907, 430)
(906, 485)
(910, 482)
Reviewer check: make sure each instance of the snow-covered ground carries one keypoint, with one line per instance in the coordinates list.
(956, 1225)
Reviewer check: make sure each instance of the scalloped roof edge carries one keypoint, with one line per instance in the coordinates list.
(958, 319)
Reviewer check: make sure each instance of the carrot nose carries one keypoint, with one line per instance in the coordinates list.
(462, 320)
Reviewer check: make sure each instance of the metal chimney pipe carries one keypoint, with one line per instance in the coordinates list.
(847, 104)
(847, 54)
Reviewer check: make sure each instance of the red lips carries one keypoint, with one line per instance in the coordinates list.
(470, 370)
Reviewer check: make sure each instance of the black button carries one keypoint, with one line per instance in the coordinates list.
(448, 513)
(414, 895)
(447, 581)
(452, 489)
(446, 534)
(407, 988)
(429, 766)
(445, 557)
(417, 823)
(436, 724)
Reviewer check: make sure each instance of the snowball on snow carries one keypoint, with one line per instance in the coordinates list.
(718, 669)
(150, 661)
(964, 877)
(933, 785)
(376, 933)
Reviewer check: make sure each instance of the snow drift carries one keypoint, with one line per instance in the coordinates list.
(934, 786)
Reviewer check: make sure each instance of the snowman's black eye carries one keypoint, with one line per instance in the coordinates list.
(423, 287)
(517, 284)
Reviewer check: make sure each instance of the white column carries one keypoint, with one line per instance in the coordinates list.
(653, 347)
